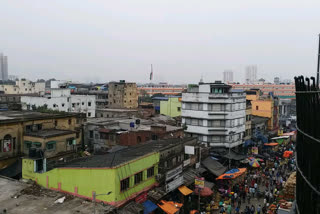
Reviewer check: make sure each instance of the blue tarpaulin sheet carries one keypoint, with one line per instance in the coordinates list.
(149, 206)
(231, 171)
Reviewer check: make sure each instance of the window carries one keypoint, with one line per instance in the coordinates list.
(27, 144)
(78, 104)
(29, 128)
(216, 123)
(154, 137)
(69, 121)
(62, 104)
(38, 127)
(257, 107)
(150, 172)
(138, 139)
(70, 141)
(138, 178)
(73, 104)
(124, 184)
(179, 108)
(77, 134)
(89, 114)
(91, 134)
(7, 143)
(51, 145)
(55, 123)
(82, 103)
(37, 144)
(89, 103)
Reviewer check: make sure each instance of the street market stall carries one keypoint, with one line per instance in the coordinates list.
(169, 207)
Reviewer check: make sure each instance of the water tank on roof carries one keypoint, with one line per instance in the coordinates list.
(131, 124)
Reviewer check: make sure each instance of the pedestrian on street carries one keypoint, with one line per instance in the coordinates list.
(229, 209)
(252, 209)
(259, 209)
(237, 210)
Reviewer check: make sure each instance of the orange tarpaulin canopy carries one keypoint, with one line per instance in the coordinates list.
(185, 190)
(232, 175)
(169, 207)
(271, 144)
(287, 154)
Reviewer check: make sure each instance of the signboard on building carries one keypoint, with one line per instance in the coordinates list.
(174, 184)
(187, 162)
(199, 182)
(189, 150)
(254, 150)
(173, 173)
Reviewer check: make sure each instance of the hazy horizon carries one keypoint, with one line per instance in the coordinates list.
(101, 41)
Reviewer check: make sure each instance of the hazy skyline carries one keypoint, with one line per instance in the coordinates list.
(113, 40)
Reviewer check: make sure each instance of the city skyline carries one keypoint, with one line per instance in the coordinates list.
(98, 41)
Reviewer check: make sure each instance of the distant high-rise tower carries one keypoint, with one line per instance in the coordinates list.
(276, 81)
(3, 67)
(228, 76)
(251, 74)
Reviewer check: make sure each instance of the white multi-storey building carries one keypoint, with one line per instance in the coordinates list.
(251, 74)
(228, 76)
(215, 113)
(62, 100)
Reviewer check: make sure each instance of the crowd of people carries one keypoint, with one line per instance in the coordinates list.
(260, 188)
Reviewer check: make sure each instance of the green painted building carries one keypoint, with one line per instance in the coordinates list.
(124, 174)
(171, 107)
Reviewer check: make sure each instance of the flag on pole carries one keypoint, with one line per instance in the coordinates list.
(151, 73)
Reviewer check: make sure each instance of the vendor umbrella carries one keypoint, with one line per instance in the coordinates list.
(254, 163)
(206, 191)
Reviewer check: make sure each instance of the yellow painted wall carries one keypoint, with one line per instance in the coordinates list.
(100, 180)
(265, 108)
(17, 130)
(61, 143)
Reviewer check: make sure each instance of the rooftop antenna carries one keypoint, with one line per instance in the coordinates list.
(201, 80)
(318, 64)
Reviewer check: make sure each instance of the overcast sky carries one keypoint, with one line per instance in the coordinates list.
(113, 39)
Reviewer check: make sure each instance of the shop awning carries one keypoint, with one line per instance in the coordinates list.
(185, 190)
(149, 206)
(234, 156)
(271, 144)
(169, 207)
(214, 166)
(232, 174)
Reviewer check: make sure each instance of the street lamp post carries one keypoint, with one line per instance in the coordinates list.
(94, 195)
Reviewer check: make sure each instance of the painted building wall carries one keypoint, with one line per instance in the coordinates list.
(60, 144)
(171, 107)
(248, 124)
(262, 108)
(24, 86)
(16, 131)
(73, 103)
(123, 95)
(82, 182)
